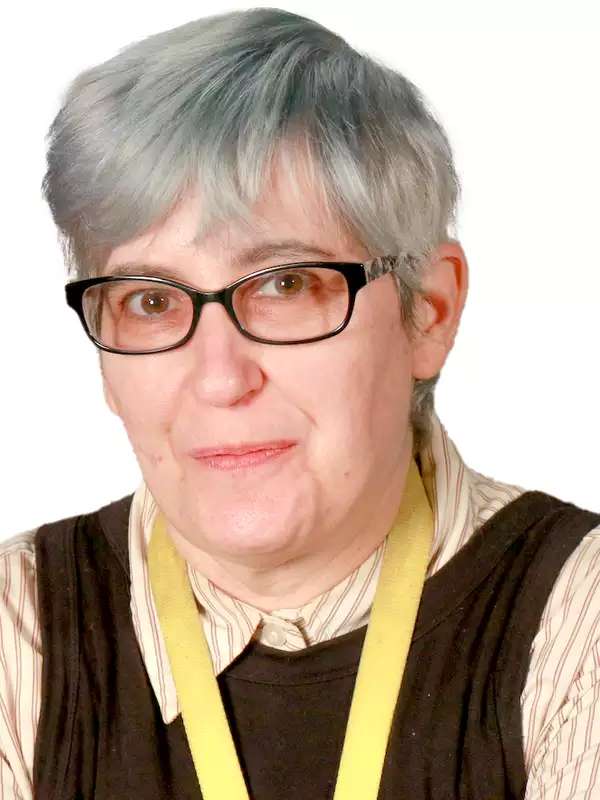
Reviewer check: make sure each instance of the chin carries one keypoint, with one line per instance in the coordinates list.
(240, 529)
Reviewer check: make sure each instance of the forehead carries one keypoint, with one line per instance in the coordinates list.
(285, 226)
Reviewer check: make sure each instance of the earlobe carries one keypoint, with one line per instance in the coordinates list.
(429, 355)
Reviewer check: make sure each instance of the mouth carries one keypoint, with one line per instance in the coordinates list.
(241, 456)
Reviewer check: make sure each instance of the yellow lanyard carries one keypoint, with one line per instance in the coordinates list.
(380, 670)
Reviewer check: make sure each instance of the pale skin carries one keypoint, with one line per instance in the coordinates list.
(280, 534)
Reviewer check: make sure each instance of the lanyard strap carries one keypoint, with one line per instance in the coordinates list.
(380, 670)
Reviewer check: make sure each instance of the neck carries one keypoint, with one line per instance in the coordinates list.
(293, 582)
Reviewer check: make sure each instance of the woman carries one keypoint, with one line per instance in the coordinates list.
(309, 591)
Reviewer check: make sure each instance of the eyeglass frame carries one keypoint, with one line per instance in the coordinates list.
(367, 272)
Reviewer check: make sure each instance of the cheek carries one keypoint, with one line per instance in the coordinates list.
(145, 402)
(357, 394)
(378, 389)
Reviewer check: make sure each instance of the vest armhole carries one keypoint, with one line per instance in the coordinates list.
(55, 576)
(550, 553)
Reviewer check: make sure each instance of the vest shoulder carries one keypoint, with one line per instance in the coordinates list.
(538, 503)
(115, 507)
(80, 536)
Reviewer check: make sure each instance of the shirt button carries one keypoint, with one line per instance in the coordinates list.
(274, 635)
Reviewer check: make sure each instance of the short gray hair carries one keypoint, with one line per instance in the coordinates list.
(207, 105)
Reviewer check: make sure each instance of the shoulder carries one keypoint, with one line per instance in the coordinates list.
(23, 542)
(20, 659)
(565, 653)
(17, 581)
(574, 602)
(17, 563)
(18, 596)
(112, 517)
(18, 553)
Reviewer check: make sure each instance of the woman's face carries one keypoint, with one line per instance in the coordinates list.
(343, 401)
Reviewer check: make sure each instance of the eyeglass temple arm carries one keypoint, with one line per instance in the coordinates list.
(381, 265)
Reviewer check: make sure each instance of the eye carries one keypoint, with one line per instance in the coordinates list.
(148, 302)
(286, 284)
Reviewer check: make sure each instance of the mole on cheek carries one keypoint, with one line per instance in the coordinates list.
(153, 459)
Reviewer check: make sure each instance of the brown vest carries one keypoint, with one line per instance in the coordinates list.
(457, 724)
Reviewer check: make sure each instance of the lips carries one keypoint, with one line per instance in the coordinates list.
(242, 457)
(241, 449)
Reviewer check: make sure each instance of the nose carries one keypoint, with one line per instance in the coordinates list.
(225, 364)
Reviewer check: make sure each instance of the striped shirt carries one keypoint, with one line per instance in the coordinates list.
(560, 701)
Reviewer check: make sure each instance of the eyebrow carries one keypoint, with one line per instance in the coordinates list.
(249, 256)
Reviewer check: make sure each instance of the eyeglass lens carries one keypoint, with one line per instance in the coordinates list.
(293, 303)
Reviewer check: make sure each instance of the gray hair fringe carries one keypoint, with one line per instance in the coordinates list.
(209, 105)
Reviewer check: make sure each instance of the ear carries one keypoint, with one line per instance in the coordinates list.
(438, 310)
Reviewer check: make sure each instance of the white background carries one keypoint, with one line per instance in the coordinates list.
(517, 88)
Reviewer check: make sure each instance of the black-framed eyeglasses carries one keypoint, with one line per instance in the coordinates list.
(286, 304)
